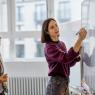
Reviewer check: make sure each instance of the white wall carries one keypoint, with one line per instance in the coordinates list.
(38, 68)
(19, 68)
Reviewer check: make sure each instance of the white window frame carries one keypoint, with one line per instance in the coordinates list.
(12, 34)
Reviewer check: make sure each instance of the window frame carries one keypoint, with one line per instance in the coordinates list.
(12, 34)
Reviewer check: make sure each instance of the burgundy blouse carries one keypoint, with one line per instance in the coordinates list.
(59, 60)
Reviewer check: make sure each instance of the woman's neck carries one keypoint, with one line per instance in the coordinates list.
(55, 39)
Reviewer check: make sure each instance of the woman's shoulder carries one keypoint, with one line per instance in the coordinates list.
(61, 42)
(50, 45)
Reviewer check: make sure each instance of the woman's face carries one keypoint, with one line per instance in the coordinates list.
(53, 29)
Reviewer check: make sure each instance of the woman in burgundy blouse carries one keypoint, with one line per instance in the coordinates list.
(58, 58)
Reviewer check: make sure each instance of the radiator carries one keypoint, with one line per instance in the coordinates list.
(27, 85)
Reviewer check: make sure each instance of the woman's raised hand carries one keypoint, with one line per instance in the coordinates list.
(82, 33)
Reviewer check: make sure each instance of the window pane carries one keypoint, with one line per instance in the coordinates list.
(67, 10)
(21, 50)
(63, 11)
(3, 16)
(28, 48)
(30, 15)
(5, 51)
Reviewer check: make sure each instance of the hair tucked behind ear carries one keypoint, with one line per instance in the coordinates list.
(44, 36)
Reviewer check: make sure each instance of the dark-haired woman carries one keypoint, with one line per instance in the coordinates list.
(58, 58)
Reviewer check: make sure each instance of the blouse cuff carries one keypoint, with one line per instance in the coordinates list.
(75, 54)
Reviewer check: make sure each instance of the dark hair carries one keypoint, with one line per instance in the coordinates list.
(44, 36)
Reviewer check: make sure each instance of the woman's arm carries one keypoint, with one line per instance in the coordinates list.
(78, 44)
(54, 54)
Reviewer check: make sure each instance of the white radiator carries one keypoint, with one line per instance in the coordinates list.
(27, 85)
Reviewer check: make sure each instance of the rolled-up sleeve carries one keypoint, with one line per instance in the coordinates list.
(55, 54)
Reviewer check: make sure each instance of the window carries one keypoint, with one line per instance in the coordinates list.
(40, 13)
(19, 17)
(24, 29)
(40, 50)
(64, 11)
(19, 13)
(3, 16)
(28, 48)
(21, 39)
(29, 15)
(20, 51)
(67, 10)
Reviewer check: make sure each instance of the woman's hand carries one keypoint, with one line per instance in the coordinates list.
(3, 78)
(82, 34)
